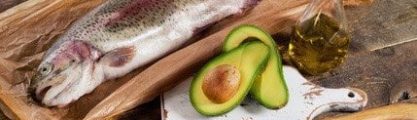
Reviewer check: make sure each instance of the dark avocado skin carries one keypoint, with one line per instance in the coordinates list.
(257, 69)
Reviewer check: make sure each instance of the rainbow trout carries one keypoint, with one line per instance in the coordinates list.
(117, 37)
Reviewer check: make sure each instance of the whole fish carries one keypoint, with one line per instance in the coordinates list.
(117, 37)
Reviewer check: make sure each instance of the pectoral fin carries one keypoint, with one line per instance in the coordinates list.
(118, 57)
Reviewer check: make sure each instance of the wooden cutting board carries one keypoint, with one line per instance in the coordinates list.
(31, 27)
(28, 29)
(306, 101)
(272, 16)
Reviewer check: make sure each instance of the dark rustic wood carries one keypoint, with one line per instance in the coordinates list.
(378, 58)
(26, 31)
(374, 71)
(6, 4)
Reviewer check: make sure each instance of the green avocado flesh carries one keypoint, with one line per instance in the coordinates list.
(270, 88)
(249, 59)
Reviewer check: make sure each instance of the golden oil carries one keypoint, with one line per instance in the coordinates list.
(318, 44)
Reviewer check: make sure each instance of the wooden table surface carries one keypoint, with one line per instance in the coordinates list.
(4, 5)
(376, 62)
(149, 111)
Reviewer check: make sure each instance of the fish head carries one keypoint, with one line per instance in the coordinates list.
(64, 68)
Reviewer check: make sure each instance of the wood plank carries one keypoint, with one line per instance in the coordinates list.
(26, 31)
(6, 4)
(165, 73)
(400, 111)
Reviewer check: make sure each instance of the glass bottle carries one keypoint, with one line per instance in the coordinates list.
(320, 38)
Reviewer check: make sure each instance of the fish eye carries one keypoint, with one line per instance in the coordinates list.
(45, 69)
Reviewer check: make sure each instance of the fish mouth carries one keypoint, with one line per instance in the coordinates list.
(32, 88)
(42, 90)
(32, 95)
(62, 88)
(38, 97)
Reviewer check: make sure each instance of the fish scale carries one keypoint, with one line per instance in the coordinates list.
(118, 37)
(95, 29)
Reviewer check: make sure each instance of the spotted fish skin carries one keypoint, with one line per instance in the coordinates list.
(117, 37)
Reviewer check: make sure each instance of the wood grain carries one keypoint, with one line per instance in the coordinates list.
(400, 111)
(26, 31)
(271, 15)
(166, 72)
(30, 28)
(6, 4)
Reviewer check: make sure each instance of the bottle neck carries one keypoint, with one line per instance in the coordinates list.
(331, 8)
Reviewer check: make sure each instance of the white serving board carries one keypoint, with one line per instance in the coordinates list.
(306, 101)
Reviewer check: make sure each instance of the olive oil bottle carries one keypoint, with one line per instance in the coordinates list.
(320, 39)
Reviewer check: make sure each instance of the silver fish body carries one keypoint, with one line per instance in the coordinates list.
(116, 38)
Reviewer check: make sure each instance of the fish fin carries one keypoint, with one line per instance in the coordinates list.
(118, 57)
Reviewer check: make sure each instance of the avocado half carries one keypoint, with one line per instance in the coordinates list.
(270, 88)
(249, 59)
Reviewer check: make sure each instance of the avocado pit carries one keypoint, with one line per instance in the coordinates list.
(221, 83)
